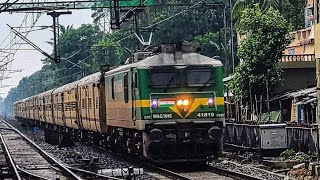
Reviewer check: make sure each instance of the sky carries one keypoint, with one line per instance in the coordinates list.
(30, 60)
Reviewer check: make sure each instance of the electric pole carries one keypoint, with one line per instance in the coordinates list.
(317, 59)
(56, 47)
(231, 32)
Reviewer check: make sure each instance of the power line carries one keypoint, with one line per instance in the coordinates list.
(4, 7)
(162, 21)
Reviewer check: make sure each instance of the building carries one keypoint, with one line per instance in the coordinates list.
(298, 61)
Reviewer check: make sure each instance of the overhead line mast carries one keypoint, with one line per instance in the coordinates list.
(126, 8)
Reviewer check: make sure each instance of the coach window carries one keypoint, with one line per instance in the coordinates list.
(126, 89)
(112, 88)
(90, 103)
(82, 104)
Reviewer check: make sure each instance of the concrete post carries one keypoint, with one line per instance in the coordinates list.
(318, 103)
(317, 58)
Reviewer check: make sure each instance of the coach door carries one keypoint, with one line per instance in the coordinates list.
(135, 95)
(119, 100)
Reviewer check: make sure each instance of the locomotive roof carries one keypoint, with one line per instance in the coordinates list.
(167, 59)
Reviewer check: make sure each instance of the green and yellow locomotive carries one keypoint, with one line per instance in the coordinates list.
(167, 107)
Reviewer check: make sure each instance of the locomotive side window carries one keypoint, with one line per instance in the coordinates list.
(164, 78)
(199, 77)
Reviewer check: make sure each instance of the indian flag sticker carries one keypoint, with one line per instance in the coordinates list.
(166, 102)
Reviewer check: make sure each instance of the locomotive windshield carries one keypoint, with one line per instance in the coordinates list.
(198, 77)
(164, 79)
(191, 76)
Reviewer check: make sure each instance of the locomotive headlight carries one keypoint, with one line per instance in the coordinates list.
(179, 102)
(182, 102)
(210, 102)
(185, 102)
(154, 103)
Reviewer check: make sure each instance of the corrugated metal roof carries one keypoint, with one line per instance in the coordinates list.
(308, 96)
(226, 79)
(304, 92)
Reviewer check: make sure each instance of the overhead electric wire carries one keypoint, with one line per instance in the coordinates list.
(162, 21)
(9, 44)
(23, 21)
(10, 4)
(24, 35)
(13, 42)
(4, 5)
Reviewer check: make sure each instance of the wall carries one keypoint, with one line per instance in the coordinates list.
(298, 78)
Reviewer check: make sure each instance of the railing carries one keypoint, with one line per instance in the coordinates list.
(294, 58)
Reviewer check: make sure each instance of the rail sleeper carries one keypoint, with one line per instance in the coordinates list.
(27, 158)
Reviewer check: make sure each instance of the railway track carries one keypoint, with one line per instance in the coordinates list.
(21, 158)
(208, 171)
(146, 165)
(232, 174)
(171, 174)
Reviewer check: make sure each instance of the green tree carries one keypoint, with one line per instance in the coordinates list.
(76, 56)
(292, 10)
(240, 5)
(75, 50)
(107, 51)
(63, 29)
(266, 38)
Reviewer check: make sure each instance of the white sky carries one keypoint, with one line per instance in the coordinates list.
(30, 61)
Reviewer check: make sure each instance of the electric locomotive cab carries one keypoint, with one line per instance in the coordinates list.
(185, 119)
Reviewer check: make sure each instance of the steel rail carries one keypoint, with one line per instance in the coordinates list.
(13, 166)
(91, 174)
(33, 176)
(144, 164)
(232, 174)
(177, 176)
(48, 157)
(166, 172)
